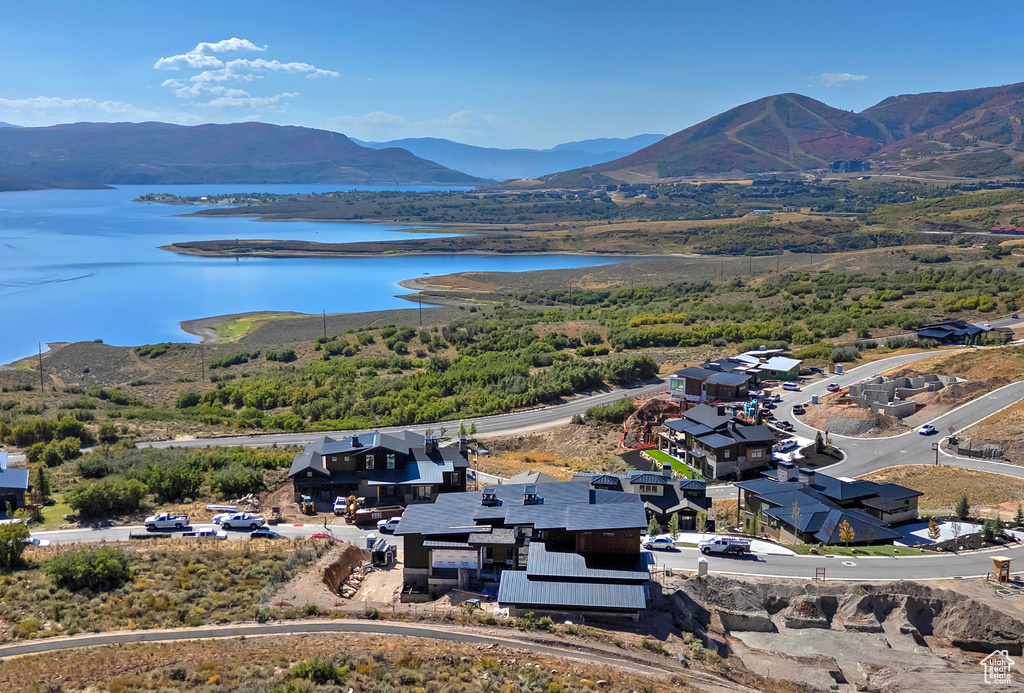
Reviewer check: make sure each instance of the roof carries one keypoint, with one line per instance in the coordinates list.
(16, 479)
(728, 379)
(886, 505)
(707, 415)
(413, 472)
(695, 372)
(498, 536)
(516, 588)
(896, 492)
(544, 564)
(648, 478)
(780, 363)
(716, 440)
(752, 434)
(435, 544)
(531, 478)
(865, 527)
(570, 505)
(409, 444)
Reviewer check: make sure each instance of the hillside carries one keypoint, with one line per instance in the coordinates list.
(505, 164)
(969, 133)
(94, 154)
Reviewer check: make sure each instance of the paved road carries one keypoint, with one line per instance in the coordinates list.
(937, 567)
(488, 426)
(343, 531)
(422, 630)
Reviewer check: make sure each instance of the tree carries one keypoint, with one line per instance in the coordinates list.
(108, 433)
(796, 513)
(846, 532)
(998, 526)
(759, 417)
(472, 428)
(1018, 519)
(702, 521)
(988, 530)
(462, 429)
(42, 488)
(819, 444)
(92, 569)
(12, 544)
(653, 528)
(933, 530)
(673, 525)
(955, 529)
(963, 508)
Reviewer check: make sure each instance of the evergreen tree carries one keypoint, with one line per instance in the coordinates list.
(1019, 517)
(42, 484)
(963, 507)
(819, 444)
(472, 428)
(653, 528)
(673, 525)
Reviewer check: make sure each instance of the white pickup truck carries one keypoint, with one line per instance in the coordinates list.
(724, 545)
(243, 521)
(166, 521)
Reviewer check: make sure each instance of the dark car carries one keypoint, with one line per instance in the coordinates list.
(264, 533)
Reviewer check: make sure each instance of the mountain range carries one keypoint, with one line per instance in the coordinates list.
(96, 154)
(503, 164)
(976, 131)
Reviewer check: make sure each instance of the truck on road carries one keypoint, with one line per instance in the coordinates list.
(724, 545)
(243, 521)
(166, 521)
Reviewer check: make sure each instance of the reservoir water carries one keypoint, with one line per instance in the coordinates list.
(85, 264)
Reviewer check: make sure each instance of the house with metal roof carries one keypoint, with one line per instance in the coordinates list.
(804, 506)
(663, 494)
(699, 384)
(717, 444)
(384, 468)
(952, 332)
(561, 546)
(13, 486)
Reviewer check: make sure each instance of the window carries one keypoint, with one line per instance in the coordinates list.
(650, 489)
(391, 461)
(725, 454)
(455, 478)
(422, 492)
(347, 457)
(609, 534)
(334, 458)
(369, 461)
(755, 454)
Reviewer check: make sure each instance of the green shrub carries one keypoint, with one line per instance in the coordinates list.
(92, 569)
(188, 399)
(111, 496)
(12, 544)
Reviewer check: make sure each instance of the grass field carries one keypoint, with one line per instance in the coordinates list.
(881, 550)
(677, 466)
(234, 328)
(942, 487)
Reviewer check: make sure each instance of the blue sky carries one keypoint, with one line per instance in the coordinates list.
(529, 74)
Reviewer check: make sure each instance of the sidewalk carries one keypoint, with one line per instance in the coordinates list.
(756, 545)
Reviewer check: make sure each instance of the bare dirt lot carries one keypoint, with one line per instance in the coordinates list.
(559, 452)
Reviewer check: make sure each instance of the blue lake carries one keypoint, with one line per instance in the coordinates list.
(85, 264)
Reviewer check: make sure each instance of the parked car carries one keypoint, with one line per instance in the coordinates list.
(767, 414)
(266, 533)
(36, 541)
(833, 387)
(1015, 315)
(774, 398)
(815, 370)
(798, 410)
(927, 430)
(340, 505)
(388, 525)
(786, 445)
(784, 425)
(220, 517)
(206, 534)
(792, 387)
(662, 542)
(243, 521)
(724, 545)
(166, 521)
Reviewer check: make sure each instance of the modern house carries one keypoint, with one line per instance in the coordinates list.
(803, 506)
(13, 485)
(556, 547)
(716, 443)
(384, 468)
(958, 332)
(728, 379)
(662, 494)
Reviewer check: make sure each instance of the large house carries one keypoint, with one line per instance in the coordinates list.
(728, 379)
(960, 332)
(662, 494)
(384, 468)
(13, 485)
(716, 443)
(804, 506)
(555, 547)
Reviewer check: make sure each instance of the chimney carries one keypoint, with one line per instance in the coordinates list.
(430, 444)
(806, 476)
(666, 469)
(355, 441)
(463, 444)
(786, 471)
(530, 496)
(721, 410)
(489, 496)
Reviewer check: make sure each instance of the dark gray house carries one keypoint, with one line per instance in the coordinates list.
(555, 547)
(385, 468)
(716, 443)
(662, 494)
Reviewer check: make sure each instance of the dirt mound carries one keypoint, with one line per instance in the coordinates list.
(913, 609)
(644, 422)
(958, 393)
(338, 574)
(844, 419)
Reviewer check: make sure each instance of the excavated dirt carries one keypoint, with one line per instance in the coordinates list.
(643, 423)
(350, 561)
(848, 419)
(876, 637)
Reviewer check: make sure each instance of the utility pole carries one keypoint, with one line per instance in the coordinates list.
(202, 362)
(325, 323)
(419, 300)
(723, 270)
(41, 374)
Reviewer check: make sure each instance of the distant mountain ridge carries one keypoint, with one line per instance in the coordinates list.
(84, 154)
(791, 132)
(505, 164)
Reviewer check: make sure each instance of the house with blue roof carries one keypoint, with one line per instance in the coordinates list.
(384, 468)
(548, 547)
(802, 506)
(663, 494)
(13, 486)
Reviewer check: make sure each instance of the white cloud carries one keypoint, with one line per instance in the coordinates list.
(46, 108)
(835, 79)
(248, 70)
(462, 126)
(236, 98)
(202, 56)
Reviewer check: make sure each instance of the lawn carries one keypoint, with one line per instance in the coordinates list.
(677, 466)
(880, 550)
(53, 515)
(233, 329)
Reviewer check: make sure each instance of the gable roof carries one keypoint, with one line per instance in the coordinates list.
(409, 444)
(516, 587)
(707, 415)
(16, 479)
(545, 564)
(695, 372)
(728, 379)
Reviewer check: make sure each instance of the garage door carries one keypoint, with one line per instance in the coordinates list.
(454, 558)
